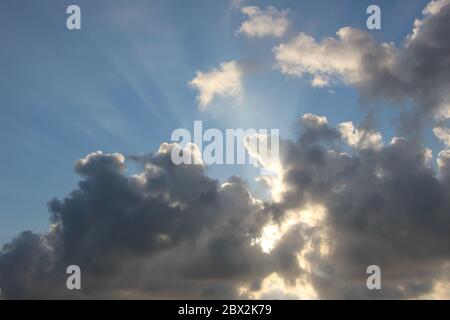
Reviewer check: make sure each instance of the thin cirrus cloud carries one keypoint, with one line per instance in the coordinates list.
(264, 23)
(224, 81)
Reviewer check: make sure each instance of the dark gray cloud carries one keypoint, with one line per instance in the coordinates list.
(168, 232)
(172, 232)
(385, 206)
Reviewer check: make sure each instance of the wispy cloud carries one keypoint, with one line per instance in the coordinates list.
(264, 23)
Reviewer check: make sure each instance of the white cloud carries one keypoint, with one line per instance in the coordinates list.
(354, 54)
(331, 60)
(224, 81)
(442, 134)
(314, 120)
(264, 23)
(443, 111)
(417, 71)
(435, 6)
(360, 138)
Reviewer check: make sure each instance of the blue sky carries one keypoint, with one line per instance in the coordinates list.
(121, 84)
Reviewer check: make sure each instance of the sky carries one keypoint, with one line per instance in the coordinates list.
(138, 70)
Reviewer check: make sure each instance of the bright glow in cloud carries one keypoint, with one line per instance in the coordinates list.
(360, 138)
(442, 134)
(269, 162)
(273, 286)
(273, 232)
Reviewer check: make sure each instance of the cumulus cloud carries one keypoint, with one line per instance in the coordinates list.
(169, 231)
(312, 120)
(224, 81)
(384, 206)
(166, 232)
(331, 60)
(417, 71)
(264, 23)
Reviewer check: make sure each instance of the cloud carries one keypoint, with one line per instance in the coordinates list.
(224, 81)
(418, 71)
(166, 232)
(443, 162)
(312, 120)
(383, 205)
(442, 134)
(97, 163)
(341, 198)
(169, 231)
(264, 23)
(331, 60)
(359, 137)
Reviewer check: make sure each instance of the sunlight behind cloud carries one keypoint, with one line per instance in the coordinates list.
(273, 232)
